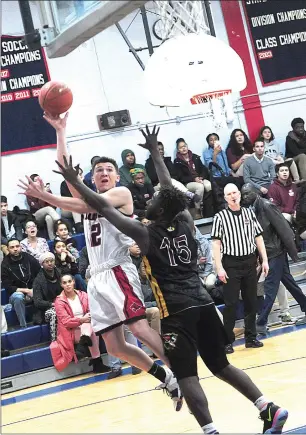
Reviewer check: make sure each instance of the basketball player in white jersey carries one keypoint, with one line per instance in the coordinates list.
(114, 289)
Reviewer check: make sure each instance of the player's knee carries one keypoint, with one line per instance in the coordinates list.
(221, 369)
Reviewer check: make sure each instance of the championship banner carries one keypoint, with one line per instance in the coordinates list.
(278, 33)
(23, 73)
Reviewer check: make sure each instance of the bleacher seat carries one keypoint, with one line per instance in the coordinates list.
(11, 317)
(4, 297)
(26, 337)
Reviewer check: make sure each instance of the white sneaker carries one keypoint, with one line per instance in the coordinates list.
(172, 388)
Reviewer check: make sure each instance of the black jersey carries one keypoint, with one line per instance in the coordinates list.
(171, 267)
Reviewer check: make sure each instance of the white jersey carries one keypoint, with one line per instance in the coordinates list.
(105, 243)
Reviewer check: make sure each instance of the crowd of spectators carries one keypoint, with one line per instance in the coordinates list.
(52, 274)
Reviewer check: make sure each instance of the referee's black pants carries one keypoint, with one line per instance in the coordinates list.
(242, 276)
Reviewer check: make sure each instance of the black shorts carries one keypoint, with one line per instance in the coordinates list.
(197, 329)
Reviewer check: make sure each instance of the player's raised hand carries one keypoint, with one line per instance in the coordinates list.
(70, 173)
(56, 121)
(32, 188)
(151, 138)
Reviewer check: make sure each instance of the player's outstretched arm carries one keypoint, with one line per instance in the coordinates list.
(152, 145)
(131, 227)
(59, 124)
(37, 190)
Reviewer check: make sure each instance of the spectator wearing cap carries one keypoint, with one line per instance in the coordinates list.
(46, 287)
(141, 191)
(296, 145)
(129, 162)
(18, 272)
(283, 192)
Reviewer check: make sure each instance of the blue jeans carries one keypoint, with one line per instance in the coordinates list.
(115, 363)
(279, 272)
(80, 283)
(17, 299)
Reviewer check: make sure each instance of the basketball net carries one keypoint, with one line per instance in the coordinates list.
(182, 18)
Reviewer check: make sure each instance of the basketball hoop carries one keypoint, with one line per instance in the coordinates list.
(220, 112)
(181, 72)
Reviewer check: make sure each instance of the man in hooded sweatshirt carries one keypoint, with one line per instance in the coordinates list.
(129, 162)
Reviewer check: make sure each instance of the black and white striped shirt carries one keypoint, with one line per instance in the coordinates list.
(237, 231)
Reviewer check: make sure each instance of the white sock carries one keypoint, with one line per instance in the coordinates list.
(209, 428)
(261, 403)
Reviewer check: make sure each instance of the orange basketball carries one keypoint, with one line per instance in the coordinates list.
(55, 98)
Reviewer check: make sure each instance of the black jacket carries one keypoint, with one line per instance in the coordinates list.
(277, 234)
(19, 274)
(141, 194)
(83, 262)
(295, 145)
(183, 172)
(67, 266)
(65, 190)
(301, 210)
(44, 293)
(16, 221)
(151, 171)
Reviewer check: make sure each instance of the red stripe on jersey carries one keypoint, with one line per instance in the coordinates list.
(133, 306)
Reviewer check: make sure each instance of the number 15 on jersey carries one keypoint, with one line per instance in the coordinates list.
(177, 250)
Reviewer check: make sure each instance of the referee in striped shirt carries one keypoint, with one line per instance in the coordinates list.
(236, 234)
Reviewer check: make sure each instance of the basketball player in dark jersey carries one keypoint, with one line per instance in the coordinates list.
(190, 322)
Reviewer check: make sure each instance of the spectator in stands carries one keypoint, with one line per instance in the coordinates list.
(150, 168)
(77, 217)
(276, 152)
(9, 224)
(279, 242)
(18, 272)
(192, 173)
(88, 179)
(205, 262)
(301, 212)
(238, 150)
(46, 287)
(215, 154)
(66, 263)
(151, 171)
(42, 211)
(62, 232)
(75, 336)
(283, 193)
(32, 244)
(129, 162)
(84, 263)
(152, 312)
(135, 254)
(296, 145)
(259, 170)
(141, 192)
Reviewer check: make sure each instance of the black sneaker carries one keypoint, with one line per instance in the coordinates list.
(136, 370)
(115, 373)
(254, 343)
(229, 349)
(98, 366)
(274, 418)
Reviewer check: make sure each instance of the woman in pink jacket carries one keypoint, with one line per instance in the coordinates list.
(75, 336)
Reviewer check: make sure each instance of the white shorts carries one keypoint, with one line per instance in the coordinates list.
(115, 297)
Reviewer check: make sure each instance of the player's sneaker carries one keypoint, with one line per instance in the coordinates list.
(287, 319)
(172, 388)
(274, 418)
